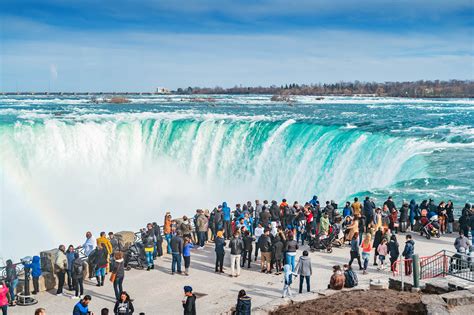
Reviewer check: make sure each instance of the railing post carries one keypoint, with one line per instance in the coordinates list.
(402, 272)
(416, 271)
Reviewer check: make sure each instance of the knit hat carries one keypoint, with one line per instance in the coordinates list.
(188, 289)
(220, 234)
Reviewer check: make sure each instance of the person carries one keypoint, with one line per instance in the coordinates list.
(288, 279)
(78, 276)
(350, 277)
(158, 252)
(356, 208)
(70, 260)
(114, 242)
(471, 225)
(259, 230)
(176, 252)
(413, 213)
(247, 252)
(382, 251)
(265, 245)
(202, 227)
(220, 252)
(40, 311)
(105, 242)
(35, 267)
(354, 252)
(461, 242)
(244, 304)
(167, 231)
(187, 254)
(100, 258)
(148, 239)
(450, 214)
(124, 305)
(119, 272)
(226, 214)
(82, 307)
(377, 241)
(236, 246)
(277, 250)
(60, 268)
(347, 211)
(390, 204)
(408, 253)
(393, 251)
(337, 279)
(366, 249)
(304, 270)
(291, 247)
(11, 280)
(3, 297)
(404, 213)
(89, 247)
(369, 209)
(104, 311)
(265, 216)
(324, 224)
(189, 303)
(464, 223)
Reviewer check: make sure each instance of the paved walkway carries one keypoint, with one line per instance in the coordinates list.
(159, 292)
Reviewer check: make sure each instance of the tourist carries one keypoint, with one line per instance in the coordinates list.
(119, 274)
(450, 215)
(220, 251)
(35, 267)
(356, 208)
(244, 304)
(70, 260)
(158, 252)
(227, 216)
(403, 220)
(366, 249)
(124, 305)
(176, 252)
(369, 210)
(377, 241)
(461, 242)
(189, 301)
(471, 225)
(354, 252)
(324, 224)
(347, 211)
(464, 223)
(202, 225)
(337, 279)
(393, 251)
(186, 228)
(148, 240)
(275, 211)
(390, 204)
(277, 251)
(291, 247)
(40, 311)
(287, 279)
(408, 253)
(78, 276)
(382, 252)
(100, 259)
(350, 277)
(259, 230)
(11, 280)
(265, 245)
(60, 265)
(247, 252)
(167, 231)
(82, 307)
(3, 297)
(104, 311)
(236, 246)
(265, 216)
(187, 254)
(88, 247)
(105, 242)
(304, 270)
(413, 213)
(114, 242)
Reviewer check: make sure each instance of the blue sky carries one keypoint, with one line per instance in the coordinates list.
(92, 45)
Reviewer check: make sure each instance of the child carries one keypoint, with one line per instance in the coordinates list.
(287, 279)
(382, 251)
(187, 254)
(366, 249)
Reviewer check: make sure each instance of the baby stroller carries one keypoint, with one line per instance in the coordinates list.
(135, 257)
(337, 242)
(430, 227)
(320, 242)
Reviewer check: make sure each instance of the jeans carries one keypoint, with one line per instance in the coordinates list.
(286, 290)
(246, 256)
(61, 275)
(202, 238)
(79, 286)
(4, 309)
(12, 288)
(168, 240)
(450, 227)
(392, 262)
(290, 260)
(176, 263)
(149, 258)
(219, 261)
(100, 272)
(366, 257)
(118, 287)
(408, 267)
(234, 262)
(70, 284)
(158, 249)
(302, 278)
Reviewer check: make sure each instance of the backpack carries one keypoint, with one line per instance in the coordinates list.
(78, 269)
(351, 279)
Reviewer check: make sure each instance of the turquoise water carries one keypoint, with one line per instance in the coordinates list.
(117, 166)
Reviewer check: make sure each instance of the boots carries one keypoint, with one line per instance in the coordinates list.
(102, 281)
(98, 280)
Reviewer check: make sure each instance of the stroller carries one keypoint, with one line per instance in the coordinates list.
(430, 227)
(135, 257)
(317, 243)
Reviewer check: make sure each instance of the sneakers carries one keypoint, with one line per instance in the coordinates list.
(75, 297)
(59, 294)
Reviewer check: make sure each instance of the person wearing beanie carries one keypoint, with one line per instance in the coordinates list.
(189, 301)
(220, 251)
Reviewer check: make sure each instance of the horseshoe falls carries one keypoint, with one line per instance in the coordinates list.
(69, 165)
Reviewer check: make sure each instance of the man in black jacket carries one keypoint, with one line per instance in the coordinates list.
(247, 252)
(265, 246)
(189, 302)
(176, 252)
(236, 247)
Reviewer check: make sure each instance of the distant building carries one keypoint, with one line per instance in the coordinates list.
(162, 90)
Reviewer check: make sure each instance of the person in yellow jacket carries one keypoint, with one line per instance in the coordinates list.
(103, 240)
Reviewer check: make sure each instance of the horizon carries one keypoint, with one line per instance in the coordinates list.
(124, 46)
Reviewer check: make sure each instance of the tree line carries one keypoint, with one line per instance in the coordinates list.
(437, 88)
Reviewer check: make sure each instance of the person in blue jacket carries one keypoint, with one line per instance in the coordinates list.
(244, 304)
(413, 213)
(35, 267)
(227, 226)
(82, 307)
(314, 202)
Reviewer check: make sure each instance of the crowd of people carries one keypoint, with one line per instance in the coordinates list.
(269, 231)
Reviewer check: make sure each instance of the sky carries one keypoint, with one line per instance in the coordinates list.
(103, 45)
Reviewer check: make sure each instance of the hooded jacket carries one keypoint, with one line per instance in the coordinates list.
(413, 209)
(35, 267)
(226, 211)
(264, 244)
(275, 211)
(303, 268)
(220, 244)
(409, 249)
(244, 306)
(393, 249)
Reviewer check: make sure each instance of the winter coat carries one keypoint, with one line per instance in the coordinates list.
(202, 223)
(369, 208)
(176, 244)
(220, 244)
(106, 243)
(35, 267)
(393, 249)
(303, 268)
(78, 269)
(248, 240)
(157, 233)
(275, 212)
(404, 213)
(61, 261)
(450, 213)
(101, 258)
(291, 246)
(70, 260)
(218, 220)
(148, 239)
(190, 305)
(226, 211)
(265, 218)
(377, 239)
(80, 309)
(264, 244)
(278, 250)
(337, 281)
(414, 209)
(324, 225)
(119, 269)
(409, 250)
(236, 246)
(244, 306)
(389, 203)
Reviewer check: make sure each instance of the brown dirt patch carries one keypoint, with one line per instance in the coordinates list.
(359, 303)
